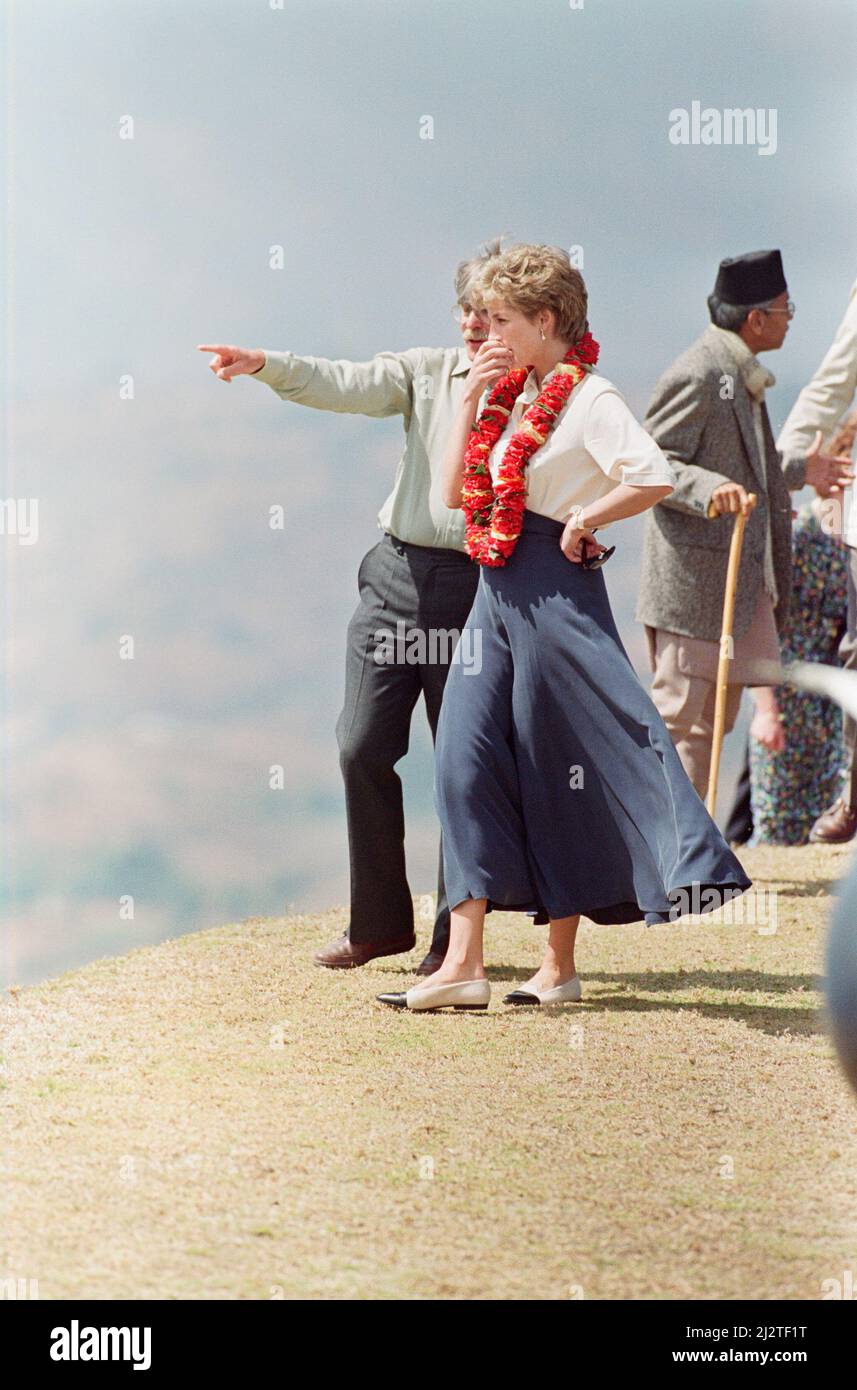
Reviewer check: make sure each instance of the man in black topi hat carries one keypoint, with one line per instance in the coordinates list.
(754, 279)
(708, 415)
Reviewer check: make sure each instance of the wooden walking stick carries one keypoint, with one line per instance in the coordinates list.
(725, 652)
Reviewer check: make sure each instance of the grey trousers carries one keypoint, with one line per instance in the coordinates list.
(418, 599)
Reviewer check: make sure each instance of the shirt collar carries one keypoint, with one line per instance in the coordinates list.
(531, 387)
(463, 364)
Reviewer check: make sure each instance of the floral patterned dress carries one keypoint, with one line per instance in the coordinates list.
(790, 789)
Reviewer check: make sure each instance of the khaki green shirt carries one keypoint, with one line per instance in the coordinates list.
(424, 385)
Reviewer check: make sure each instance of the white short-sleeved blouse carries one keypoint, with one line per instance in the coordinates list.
(596, 443)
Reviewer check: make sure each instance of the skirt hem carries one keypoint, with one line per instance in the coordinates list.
(624, 913)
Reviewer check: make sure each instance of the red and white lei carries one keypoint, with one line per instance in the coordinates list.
(493, 511)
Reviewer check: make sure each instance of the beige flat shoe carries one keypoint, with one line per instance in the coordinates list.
(568, 993)
(462, 994)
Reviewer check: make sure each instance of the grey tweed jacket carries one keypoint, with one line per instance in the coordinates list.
(710, 439)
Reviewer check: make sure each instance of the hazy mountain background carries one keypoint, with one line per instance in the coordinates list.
(299, 126)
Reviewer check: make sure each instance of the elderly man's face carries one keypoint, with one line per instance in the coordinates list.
(771, 325)
(474, 326)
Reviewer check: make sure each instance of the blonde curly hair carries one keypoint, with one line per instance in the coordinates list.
(530, 278)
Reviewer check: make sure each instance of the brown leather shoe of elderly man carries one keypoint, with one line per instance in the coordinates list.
(835, 826)
(344, 954)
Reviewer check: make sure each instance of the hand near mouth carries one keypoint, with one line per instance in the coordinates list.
(492, 361)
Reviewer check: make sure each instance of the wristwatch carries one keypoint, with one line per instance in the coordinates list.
(575, 516)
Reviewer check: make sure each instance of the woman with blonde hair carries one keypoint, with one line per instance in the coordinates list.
(557, 786)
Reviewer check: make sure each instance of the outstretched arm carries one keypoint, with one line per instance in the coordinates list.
(382, 386)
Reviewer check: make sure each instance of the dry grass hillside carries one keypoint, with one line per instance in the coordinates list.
(216, 1117)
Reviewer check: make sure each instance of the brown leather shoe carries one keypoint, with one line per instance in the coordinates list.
(344, 954)
(433, 961)
(835, 826)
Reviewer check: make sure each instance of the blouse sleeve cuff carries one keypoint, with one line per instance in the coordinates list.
(656, 477)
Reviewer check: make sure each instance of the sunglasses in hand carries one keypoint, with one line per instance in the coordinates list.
(594, 562)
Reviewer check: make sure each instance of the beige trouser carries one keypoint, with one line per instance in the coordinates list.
(684, 690)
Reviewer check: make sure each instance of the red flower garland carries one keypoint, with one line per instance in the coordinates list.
(493, 512)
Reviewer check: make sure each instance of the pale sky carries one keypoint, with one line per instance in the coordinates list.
(299, 126)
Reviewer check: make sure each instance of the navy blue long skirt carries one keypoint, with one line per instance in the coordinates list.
(556, 783)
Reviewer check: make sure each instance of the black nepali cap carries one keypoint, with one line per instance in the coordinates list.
(753, 278)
